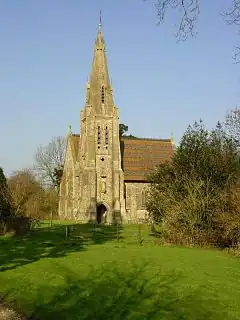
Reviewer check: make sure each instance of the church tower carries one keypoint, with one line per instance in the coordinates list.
(100, 183)
(100, 177)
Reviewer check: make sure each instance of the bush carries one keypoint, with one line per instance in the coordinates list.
(194, 198)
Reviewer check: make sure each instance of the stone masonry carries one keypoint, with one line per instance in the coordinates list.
(102, 182)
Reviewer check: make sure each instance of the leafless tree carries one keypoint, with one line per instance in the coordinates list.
(189, 12)
(29, 198)
(48, 158)
(189, 9)
(23, 187)
(232, 14)
(232, 17)
(232, 124)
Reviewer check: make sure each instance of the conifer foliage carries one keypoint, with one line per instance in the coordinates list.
(5, 196)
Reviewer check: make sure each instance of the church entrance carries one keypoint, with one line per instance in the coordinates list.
(101, 210)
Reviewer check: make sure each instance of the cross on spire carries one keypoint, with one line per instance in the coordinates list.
(100, 21)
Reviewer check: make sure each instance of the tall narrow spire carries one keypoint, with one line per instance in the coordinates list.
(100, 86)
(100, 41)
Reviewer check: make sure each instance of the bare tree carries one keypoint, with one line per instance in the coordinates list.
(48, 159)
(232, 124)
(189, 12)
(232, 17)
(24, 188)
(29, 198)
(232, 14)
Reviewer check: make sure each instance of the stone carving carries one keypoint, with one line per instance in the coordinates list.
(103, 185)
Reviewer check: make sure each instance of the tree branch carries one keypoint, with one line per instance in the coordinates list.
(190, 11)
(48, 158)
(232, 15)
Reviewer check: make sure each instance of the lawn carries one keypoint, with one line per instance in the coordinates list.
(107, 274)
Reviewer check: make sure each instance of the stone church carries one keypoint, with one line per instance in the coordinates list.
(105, 177)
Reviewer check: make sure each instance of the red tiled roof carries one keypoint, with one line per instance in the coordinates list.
(140, 156)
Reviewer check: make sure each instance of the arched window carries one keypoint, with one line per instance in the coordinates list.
(103, 94)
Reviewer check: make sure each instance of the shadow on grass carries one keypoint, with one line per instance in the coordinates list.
(111, 293)
(53, 243)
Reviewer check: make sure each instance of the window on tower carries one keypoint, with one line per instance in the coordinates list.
(106, 137)
(99, 136)
(103, 94)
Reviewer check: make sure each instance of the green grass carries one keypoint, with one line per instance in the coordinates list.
(98, 276)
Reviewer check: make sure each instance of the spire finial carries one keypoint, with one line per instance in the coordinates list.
(172, 137)
(172, 141)
(70, 129)
(100, 21)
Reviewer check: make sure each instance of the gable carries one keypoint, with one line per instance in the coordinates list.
(72, 148)
(74, 142)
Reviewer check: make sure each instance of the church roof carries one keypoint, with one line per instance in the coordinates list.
(140, 156)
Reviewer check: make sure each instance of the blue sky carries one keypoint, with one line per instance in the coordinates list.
(159, 85)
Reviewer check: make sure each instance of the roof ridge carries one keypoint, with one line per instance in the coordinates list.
(146, 139)
(133, 139)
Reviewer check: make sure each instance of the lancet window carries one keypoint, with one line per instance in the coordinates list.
(106, 137)
(99, 137)
(103, 94)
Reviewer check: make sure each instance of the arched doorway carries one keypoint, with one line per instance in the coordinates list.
(101, 209)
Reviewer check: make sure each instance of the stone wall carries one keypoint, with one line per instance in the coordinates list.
(68, 185)
(135, 193)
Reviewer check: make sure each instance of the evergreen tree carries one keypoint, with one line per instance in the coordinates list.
(5, 197)
(57, 176)
(123, 128)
